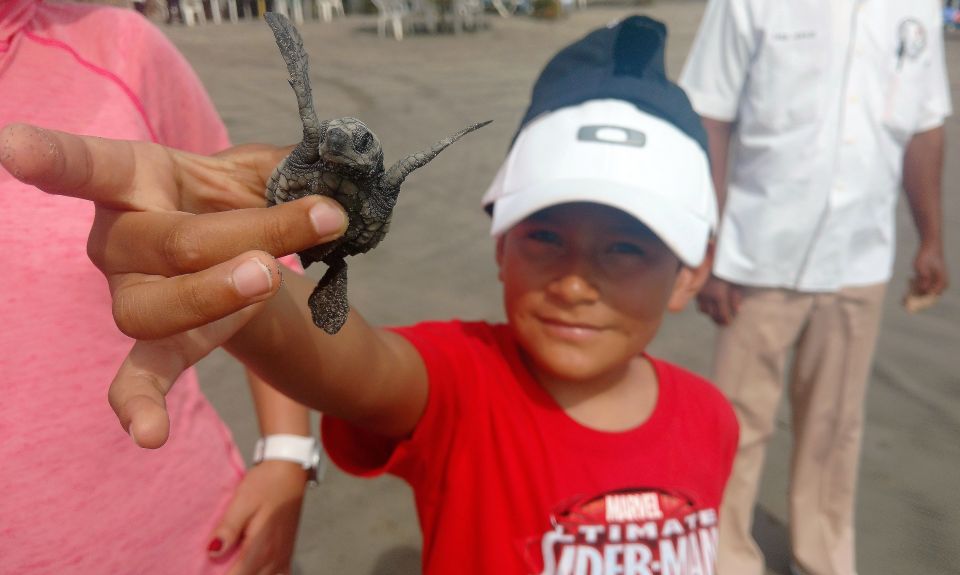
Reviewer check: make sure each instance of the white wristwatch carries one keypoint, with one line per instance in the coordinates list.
(295, 448)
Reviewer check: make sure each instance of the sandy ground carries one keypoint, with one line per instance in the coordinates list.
(438, 263)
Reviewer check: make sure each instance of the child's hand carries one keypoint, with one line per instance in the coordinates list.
(260, 524)
(181, 283)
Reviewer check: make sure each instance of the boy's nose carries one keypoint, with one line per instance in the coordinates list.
(574, 284)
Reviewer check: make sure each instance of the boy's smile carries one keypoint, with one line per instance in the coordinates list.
(585, 289)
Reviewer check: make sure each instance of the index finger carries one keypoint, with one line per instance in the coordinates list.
(96, 169)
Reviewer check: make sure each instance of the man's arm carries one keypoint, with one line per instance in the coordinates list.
(922, 182)
(718, 140)
(718, 298)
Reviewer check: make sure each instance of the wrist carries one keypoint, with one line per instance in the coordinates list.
(293, 451)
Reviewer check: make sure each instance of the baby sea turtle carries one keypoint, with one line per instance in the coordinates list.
(342, 159)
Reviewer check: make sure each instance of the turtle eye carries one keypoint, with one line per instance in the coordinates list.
(363, 143)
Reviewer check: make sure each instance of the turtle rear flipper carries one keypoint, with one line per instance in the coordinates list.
(328, 302)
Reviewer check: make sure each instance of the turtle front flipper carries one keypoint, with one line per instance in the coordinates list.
(328, 302)
(291, 48)
(399, 171)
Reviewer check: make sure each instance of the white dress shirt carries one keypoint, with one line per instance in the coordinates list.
(825, 95)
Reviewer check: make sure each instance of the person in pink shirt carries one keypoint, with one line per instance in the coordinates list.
(77, 496)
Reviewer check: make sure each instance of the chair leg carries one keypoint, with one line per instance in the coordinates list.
(382, 26)
(298, 11)
(398, 28)
(215, 11)
(327, 11)
(232, 9)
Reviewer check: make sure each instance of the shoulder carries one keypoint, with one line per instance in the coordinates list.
(108, 27)
(445, 331)
(699, 397)
(115, 41)
(452, 340)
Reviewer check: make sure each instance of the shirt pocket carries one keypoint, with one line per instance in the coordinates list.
(786, 87)
(905, 82)
(903, 44)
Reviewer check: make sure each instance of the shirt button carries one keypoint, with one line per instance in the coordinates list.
(854, 100)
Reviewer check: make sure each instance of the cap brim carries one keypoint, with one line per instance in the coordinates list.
(683, 232)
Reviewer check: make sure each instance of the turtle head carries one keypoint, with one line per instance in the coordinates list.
(347, 144)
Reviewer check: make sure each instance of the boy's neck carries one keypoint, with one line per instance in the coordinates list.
(614, 402)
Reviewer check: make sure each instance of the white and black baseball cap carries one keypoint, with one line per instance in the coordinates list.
(605, 125)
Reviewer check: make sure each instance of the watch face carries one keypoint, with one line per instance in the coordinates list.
(316, 463)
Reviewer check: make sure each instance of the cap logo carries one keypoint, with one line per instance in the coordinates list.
(612, 135)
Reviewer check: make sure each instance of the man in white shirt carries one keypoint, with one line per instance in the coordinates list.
(816, 111)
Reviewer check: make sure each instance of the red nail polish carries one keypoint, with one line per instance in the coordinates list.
(215, 545)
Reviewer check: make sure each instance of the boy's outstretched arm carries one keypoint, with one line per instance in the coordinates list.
(369, 376)
(184, 280)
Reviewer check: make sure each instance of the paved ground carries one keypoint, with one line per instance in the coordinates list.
(438, 263)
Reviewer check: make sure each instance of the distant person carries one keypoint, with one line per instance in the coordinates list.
(76, 496)
(550, 444)
(817, 112)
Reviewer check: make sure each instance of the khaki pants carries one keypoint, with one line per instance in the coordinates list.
(833, 336)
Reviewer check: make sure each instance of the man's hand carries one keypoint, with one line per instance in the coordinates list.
(261, 521)
(720, 300)
(930, 272)
(184, 242)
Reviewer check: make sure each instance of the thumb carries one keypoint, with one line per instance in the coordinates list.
(151, 368)
(137, 392)
(736, 297)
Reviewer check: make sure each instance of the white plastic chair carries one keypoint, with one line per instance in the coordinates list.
(393, 11)
(231, 11)
(467, 14)
(426, 11)
(326, 9)
(280, 7)
(192, 12)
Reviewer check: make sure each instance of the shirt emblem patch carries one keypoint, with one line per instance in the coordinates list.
(911, 39)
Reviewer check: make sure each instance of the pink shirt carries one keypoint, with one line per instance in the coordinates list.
(76, 496)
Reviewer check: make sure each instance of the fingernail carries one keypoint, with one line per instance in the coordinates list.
(215, 545)
(252, 278)
(326, 218)
(132, 436)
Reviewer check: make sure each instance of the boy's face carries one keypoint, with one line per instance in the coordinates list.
(586, 287)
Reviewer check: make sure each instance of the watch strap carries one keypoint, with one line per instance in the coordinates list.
(288, 447)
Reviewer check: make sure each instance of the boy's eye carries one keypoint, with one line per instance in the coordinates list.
(545, 236)
(627, 248)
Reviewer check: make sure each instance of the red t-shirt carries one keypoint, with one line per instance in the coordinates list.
(507, 483)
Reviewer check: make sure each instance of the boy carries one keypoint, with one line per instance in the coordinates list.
(552, 444)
